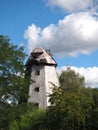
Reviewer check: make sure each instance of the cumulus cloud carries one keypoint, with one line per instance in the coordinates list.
(90, 74)
(76, 33)
(70, 5)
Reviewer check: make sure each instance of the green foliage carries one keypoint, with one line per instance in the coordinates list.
(71, 81)
(68, 110)
(71, 104)
(13, 82)
(95, 96)
(94, 117)
(14, 125)
(31, 120)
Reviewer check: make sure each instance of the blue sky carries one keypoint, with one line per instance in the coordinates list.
(68, 28)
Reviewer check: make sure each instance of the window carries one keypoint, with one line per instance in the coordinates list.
(36, 104)
(37, 72)
(36, 89)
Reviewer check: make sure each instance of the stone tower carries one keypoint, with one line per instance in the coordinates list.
(42, 68)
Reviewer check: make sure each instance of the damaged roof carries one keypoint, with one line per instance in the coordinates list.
(41, 56)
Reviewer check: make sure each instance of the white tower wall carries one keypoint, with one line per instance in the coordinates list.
(39, 90)
(51, 78)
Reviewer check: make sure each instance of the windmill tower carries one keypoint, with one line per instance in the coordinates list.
(42, 68)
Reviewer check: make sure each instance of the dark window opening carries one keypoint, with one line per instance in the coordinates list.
(36, 104)
(37, 72)
(36, 89)
(43, 60)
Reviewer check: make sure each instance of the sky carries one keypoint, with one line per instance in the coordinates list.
(69, 28)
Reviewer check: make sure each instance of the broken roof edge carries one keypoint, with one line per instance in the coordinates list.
(38, 49)
(39, 54)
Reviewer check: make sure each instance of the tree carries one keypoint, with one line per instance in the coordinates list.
(31, 120)
(13, 83)
(12, 72)
(71, 81)
(71, 104)
(94, 116)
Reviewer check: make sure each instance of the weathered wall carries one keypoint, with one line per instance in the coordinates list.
(51, 78)
(47, 75)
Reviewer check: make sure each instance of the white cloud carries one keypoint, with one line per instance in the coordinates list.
(70, 5)
(90, 74)
(76, 33)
